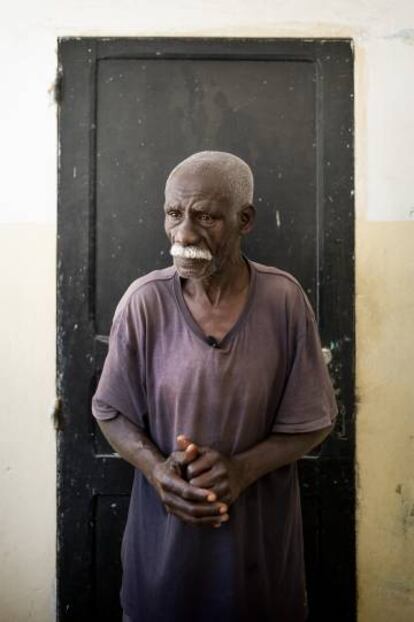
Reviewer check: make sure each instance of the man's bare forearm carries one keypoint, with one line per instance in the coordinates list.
(229, 476)
(190, 503)
(275, 452)
(132, 444)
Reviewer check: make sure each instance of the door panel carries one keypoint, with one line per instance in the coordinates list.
(130, 110)
(262, 110)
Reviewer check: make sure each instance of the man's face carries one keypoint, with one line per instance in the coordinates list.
(199, 214)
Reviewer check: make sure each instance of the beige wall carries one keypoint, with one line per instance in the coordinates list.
(383, 33)
(27, 440)
(385, 420)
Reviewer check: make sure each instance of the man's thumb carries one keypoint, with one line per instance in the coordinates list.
(183, 442)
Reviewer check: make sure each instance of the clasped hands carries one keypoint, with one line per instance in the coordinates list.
(198, 484)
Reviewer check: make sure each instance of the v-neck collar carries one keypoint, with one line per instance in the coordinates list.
(192, 324)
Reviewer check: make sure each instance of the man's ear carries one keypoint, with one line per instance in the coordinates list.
(246, 218)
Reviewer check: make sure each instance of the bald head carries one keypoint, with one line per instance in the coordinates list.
(230, 174)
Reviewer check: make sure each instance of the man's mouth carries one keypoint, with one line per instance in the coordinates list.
(190, 252)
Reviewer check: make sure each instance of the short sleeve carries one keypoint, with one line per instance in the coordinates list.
(121, 387)
(308, 400)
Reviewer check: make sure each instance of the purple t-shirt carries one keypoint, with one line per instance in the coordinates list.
(267, 376)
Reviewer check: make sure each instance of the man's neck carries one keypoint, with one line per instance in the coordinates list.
(222, 286)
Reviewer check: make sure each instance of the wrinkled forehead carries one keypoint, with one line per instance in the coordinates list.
(198, 182)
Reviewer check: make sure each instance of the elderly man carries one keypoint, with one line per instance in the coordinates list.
(213, 387)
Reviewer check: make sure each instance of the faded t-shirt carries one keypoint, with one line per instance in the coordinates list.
(267, 375)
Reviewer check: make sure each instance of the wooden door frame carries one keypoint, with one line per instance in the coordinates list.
(78, 66)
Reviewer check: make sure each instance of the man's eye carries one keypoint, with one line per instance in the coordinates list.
(206, 218)
(173, 214)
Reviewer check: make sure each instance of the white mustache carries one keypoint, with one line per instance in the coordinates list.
(190, 252)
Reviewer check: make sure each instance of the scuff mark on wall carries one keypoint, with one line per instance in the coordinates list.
(407, 508)
(406, 35)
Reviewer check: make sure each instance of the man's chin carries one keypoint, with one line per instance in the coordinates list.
(194, 268)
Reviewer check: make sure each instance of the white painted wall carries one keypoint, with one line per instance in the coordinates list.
(383, 33)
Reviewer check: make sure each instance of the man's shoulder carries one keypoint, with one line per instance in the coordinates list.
(283, 292)
(151, 279)
(275, 277)
(145, 286)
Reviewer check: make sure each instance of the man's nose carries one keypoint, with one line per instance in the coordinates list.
(185, 233)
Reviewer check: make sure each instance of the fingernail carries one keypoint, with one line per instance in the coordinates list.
(225, 518)
(190, 447)
(216, 525)
(223, 509)
(211, 497)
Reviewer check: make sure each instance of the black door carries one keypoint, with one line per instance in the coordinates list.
(129, 111)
